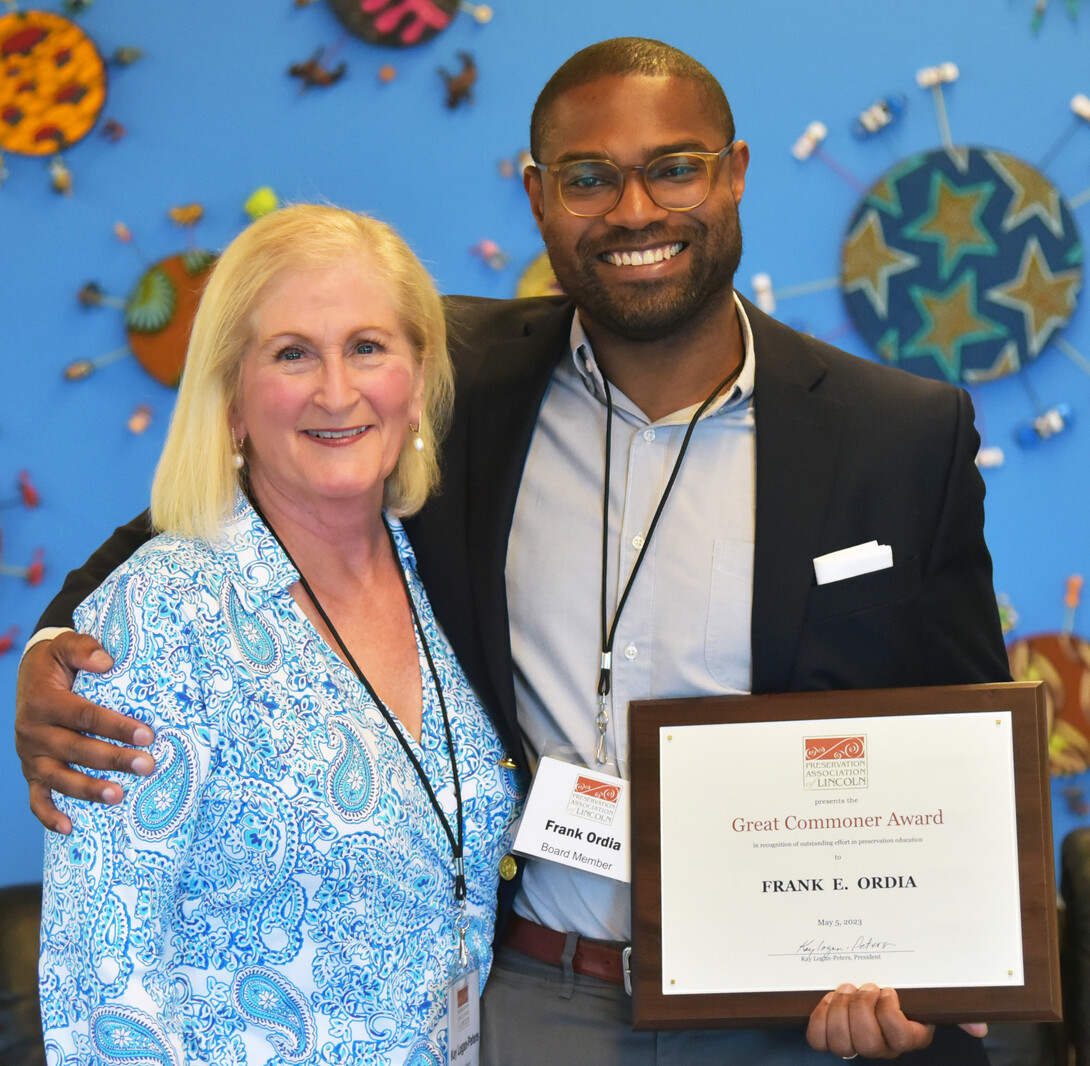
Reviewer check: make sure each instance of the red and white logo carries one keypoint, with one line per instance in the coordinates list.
(832, 763)
(594, 799)
(835, 748)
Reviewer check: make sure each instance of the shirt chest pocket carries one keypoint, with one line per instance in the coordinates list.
(730, 599)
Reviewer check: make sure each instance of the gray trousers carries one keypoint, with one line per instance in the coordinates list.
(535, 1014)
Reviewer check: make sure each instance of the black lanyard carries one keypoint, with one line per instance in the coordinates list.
(456, 843)
(609, 631)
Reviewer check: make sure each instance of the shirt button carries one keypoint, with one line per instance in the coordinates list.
(649, 434)
(637, 541)
(631, 652)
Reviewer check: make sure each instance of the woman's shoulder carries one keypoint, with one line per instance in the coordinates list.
(171, 559)
(181, 562)
(177, 581)
(166, 569)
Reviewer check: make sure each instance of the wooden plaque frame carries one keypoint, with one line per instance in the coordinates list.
(1038, 999)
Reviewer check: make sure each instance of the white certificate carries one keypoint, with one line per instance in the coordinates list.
(802, 854)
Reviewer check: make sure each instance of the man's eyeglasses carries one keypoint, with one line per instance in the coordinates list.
(678, 181)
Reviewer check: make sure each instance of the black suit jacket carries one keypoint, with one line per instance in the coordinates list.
(847, 451)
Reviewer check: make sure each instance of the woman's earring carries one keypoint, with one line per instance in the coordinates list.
(418, 441)
(236, 451)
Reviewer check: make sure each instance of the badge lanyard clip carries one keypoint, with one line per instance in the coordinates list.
(602, 720)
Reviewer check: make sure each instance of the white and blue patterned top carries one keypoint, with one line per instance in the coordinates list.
(280, 890)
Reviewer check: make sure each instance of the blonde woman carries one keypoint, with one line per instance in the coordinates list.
(313, 863)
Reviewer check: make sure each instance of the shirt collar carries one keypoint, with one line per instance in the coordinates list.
(262, 567)
(738, 397)
(259, 561)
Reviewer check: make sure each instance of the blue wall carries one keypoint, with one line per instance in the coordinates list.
(211, 114)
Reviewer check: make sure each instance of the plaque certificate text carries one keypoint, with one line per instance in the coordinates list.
(799, 853)
(847, 848)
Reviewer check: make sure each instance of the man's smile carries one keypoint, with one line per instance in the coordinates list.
(643, 256)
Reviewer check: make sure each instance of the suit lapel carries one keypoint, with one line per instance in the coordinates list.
(797, 442)
(503, 412)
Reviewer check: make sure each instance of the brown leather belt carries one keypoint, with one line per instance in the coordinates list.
(592, 958)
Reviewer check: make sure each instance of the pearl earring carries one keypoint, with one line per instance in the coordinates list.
(418, 441)
(237, 458)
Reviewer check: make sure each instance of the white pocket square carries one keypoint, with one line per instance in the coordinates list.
(853, 561)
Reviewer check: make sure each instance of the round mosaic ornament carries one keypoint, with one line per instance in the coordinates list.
(395, 23)
(159, 313)
(961, 264)
(52, 83)
(1062, 662)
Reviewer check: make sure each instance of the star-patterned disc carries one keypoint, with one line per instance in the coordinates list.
(961, 264)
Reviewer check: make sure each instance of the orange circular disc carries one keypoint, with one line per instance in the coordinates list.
(52, 83)
(1062, 662)
(159, 313)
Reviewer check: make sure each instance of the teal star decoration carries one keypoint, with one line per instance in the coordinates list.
(961, 264)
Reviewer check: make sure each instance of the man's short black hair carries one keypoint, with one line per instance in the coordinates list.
(623, 56)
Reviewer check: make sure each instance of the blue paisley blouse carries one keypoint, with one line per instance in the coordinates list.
(280, 890)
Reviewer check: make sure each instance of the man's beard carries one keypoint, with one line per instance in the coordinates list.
(652, 310)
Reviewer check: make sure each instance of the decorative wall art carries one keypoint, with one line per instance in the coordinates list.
(53, 83)
(963, 263)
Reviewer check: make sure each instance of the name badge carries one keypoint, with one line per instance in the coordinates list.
(464, 1019)
(577, 817)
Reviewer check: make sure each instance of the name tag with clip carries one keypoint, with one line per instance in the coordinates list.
(464, 1019)
(577, 817)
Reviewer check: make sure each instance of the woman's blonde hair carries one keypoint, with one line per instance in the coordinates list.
(196, 479)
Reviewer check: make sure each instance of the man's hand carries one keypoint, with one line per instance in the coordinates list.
(50, 723)
(867, 1021)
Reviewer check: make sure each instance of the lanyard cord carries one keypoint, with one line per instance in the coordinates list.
(609, 630)
(456, 844)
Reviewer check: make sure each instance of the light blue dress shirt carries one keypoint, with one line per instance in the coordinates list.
(685, 630)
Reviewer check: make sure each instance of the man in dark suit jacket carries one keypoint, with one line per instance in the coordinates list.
(842, 452)
(847, 452)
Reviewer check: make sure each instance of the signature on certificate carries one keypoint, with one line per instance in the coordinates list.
(818, 949)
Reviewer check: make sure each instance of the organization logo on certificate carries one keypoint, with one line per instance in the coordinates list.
(832, 763)
(594, 800)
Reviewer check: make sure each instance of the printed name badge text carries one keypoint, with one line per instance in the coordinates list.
(464, 1019)
(577, 817)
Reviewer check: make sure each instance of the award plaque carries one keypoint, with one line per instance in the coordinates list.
(786, 844)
